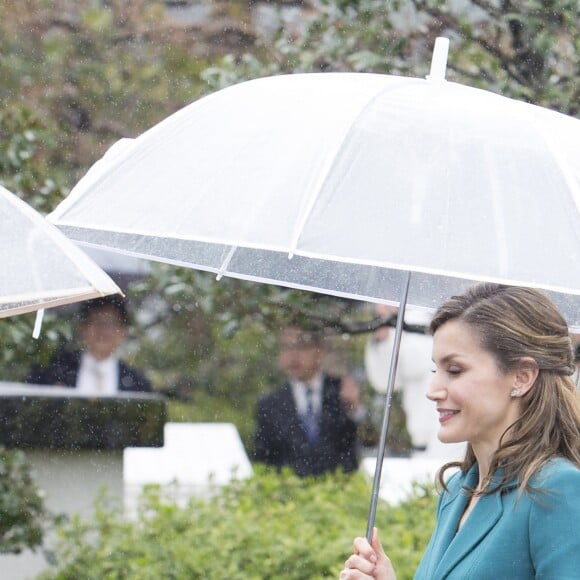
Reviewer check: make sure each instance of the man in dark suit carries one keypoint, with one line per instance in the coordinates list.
(310, 423)
(96, 369)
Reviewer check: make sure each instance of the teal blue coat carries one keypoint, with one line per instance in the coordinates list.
(505, 537)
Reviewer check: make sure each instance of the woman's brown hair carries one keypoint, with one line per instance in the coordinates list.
(513, 323)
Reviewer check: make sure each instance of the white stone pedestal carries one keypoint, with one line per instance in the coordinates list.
(195, 457)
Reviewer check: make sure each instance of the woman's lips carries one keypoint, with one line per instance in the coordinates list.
(446, 414)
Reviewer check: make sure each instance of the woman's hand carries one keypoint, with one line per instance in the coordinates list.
(368, 561)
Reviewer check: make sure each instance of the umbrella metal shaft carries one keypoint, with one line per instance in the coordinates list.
(387, 411)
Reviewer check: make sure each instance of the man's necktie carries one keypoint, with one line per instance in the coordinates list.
(310, 418)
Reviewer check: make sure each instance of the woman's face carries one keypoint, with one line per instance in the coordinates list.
(299, 358)
(472, 394)
(103, 332)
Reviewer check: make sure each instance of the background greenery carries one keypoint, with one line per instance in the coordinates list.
(22, 513)
(271, 526)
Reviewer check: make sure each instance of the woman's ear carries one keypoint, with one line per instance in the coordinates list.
(526, 374)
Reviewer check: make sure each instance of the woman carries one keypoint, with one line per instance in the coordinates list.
(503, 361)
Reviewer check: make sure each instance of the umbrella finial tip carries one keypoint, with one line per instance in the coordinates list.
(439, 60)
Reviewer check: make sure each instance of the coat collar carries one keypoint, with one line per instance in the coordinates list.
(451, 546)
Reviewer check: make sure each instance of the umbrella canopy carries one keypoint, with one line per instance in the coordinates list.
(341, 182)
(41, 268)
(346, 183)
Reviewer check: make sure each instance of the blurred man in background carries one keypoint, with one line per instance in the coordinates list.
(310, 423)
(95, 369)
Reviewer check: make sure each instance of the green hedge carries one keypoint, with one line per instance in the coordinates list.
(40, 420)
(271, 526)
(22, 512)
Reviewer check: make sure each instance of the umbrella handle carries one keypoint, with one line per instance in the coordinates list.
(388, 399)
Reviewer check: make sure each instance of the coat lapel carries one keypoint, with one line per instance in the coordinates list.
(453, 506)
(330, 411)
(327, 400)
(480, 522)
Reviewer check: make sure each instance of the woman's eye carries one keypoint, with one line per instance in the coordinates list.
(450, 370)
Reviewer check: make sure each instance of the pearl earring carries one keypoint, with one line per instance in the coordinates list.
(516, 393)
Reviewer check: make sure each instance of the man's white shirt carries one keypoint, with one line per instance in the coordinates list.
(301, 399)
(98, 377)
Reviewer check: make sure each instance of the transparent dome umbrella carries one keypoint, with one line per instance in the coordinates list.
(349, 184)
(41, 268)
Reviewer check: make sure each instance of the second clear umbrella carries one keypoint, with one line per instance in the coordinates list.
(41, 268)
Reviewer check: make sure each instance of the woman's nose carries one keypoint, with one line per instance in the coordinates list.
(436, 390)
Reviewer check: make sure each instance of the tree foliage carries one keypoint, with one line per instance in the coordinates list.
(96, 72)
(527, 50)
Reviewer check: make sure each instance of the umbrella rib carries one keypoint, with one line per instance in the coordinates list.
(226, 263)
(498, 216)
